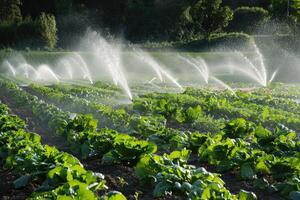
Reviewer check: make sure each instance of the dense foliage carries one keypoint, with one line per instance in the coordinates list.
(47, 29)
(178, 145)
(10, 11)
(56, 173)
(146, 20)
(249, 19)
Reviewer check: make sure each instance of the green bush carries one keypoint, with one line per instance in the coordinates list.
(10, 11)
(279, 8)
(210, 16)
(175, 20)
(215, 41)
(257, 3)
(41, 32)
(47, 28)
(248, 19)
(23, 34)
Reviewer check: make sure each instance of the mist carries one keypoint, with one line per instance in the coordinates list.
(96, 58)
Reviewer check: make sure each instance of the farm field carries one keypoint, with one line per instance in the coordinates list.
(150, 100)
(64, 140)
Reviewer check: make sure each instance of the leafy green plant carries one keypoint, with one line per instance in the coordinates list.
(128, 149)
(58, 174)
(172, 174)
(47, 28)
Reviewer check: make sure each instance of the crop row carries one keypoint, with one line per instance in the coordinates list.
(147, 127)
(115, 147)
(107, 116)
(89, 92)
(257, 96)
(255, 152)
(219, 107)
(283, 91)
(57, 174)
(270, 159)
(80, 130)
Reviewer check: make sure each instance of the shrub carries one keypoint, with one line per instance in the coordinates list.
(47, 29)
(209, 16)
(10, 11)
(229, 37)
(19, 34)
(248, 19)
(278, 8)
(257, 3)
(220, 40)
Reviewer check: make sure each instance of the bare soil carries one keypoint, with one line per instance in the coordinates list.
(7, 190)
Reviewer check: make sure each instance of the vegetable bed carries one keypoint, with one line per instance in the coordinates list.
(199, 144)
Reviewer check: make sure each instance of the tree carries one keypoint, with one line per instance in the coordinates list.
(285, 8)
(287, 11)
(248, 19)
(10, 11)
(295, 16)
(250, 3)
(63, 7)
(155, 19)
(295, 5)
(209, 16)
(47, 29)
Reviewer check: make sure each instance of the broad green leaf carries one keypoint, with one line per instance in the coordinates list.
(114, 195)
(22, 181)
(262, 167)
(161, 189)
(77, 189)
(247, 171)
(294, 195)
(193, 113)
(261, 132)
(109, 157)
(182, 155)
(85, 150)
(261, 183)
(245, 195)
(265, 113)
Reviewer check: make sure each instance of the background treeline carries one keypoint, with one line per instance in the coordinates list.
(59, 23)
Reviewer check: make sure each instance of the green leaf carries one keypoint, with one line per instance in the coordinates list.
(206, 194)
(182, 155)
(265, 113)
(22, 181)
(76, 189)
(245, 195)
(261, 132)
(109, 158)
(161, 189)
(187, 186)
(193, 113)
(179, 116)
(85, 150)
(247, 171)
(294, 195)
(64, 197)
(261, 183)
(114, 195)
(262, 167)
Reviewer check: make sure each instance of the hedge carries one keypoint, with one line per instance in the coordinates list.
(219, 41)
(248, 19)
